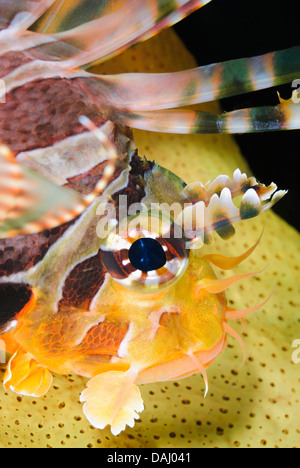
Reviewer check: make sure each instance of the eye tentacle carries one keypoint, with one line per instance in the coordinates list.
(228, 263)
(216, 286)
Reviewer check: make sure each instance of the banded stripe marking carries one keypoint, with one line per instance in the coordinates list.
(262, 71)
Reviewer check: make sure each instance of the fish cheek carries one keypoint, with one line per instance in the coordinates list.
(198, 323)
(151, 345)
(207, 331)
(210, 314)
(199, 329)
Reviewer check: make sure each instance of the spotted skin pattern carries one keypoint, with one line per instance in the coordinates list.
(52, 117)
(65, 308)
(23, 252)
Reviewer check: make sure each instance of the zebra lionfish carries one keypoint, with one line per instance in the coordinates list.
(88, 286)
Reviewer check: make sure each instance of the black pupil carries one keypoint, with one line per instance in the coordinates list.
(147, 254)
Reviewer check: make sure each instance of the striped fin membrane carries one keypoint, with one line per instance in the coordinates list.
(67, 14)
(138, 92)
(30, 203)
(79, 33)
(213, 207)
(111, 30)
(285, 116)
(21, 14)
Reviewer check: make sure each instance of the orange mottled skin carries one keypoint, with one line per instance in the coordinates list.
(62, 340)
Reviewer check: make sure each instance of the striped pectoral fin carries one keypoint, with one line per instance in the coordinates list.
(285, 116)
(25, 376)
(68, 14)
(112, 399)
(20, 15)
(181, 121)
(30, 203)
(108, 35)
(139, 92)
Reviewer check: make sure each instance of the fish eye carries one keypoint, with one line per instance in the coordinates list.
(145, 252)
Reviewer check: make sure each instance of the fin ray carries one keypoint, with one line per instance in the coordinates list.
(285, 116)
(110, 31)
(157, 91)
(21, 14)
(135, 21)
(30, 203)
